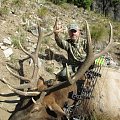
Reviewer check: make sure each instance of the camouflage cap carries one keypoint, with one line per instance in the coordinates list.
(73, 26)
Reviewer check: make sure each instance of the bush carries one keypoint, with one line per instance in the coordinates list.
(16, 39)
(58, 1)
(98, 32)
(4, 11)
(85, 3)
(116, 30)
(18, 3)
(80, 3)
(115, 2)
(49, 69)
(41, 12)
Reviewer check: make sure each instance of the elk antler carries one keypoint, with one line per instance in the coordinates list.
(16, 75)
(33, 80)
(84, 67)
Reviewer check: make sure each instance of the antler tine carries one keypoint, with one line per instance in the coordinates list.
(34, 101)
(89, 42)
(5, 109)
(35, 55)
(109, 46)
(56, 22)
(26, 52)
(48, 34)
(39, 40)
(68, 74)
(23, 86)
(22, 93)
(18, 76)
(32, 81)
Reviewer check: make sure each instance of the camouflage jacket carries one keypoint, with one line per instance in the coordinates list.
(76, 51)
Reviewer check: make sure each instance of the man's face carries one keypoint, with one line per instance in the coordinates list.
(74, 34)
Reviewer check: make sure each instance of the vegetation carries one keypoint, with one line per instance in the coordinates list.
(116, 29)
(49, 69)
(13, 59)
(83, 3)
(80, 3)
(16, 39)
(4, 11)
(98, 32)
(41, 12)
(115, 2)
(58, 1)
(18, 3)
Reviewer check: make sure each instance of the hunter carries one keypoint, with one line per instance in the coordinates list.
(74, 45)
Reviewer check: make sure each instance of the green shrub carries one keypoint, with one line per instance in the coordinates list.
(49, 69)
(65, 6)
(80, 3)
(58, 1)
(98, 32)
(41, 12)
(116, 30)
(13, 59)
(5, 2)
(16, 39)
(17, 3)
(4, 11)
(115, 2)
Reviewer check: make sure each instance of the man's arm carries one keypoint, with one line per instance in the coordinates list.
(57, 29)
(61, 43)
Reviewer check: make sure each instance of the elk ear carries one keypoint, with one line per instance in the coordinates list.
(40, 84)
(40, 78)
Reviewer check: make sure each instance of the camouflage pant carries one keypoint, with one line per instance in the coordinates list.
(62, 75)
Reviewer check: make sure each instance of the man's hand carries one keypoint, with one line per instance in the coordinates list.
(57, 27)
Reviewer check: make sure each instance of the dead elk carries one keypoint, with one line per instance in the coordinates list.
(55, 96)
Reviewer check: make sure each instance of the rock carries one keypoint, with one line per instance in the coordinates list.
(39, 62)
(33, 28)
(1, 44)
(7, 41)
(34, 46)
(3, 47)
(34, 31)
(8, 52)
(40, 2)
(31, 49)
(113, 63)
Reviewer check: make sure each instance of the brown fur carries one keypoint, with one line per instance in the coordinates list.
(55, 100)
